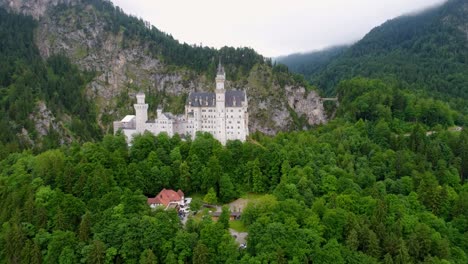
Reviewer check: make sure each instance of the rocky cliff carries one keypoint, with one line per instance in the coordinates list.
(34, 8)
(123, 67)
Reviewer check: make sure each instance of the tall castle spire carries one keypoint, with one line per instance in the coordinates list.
(220, 68)
(220, 77)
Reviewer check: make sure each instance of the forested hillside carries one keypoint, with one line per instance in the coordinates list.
(367, 188)
(27, 82)
(426, 52)
(310, 63)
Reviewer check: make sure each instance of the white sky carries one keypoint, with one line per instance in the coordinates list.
(271, 27)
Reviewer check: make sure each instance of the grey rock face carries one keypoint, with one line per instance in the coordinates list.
(34, 8)
(306, 103)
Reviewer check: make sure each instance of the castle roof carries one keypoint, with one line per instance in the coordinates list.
(233, 98)
(199, 99)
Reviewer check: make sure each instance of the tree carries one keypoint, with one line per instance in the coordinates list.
(227, 190)
(258, 179)
(352, 241)
(97, 252)
(148, 257)
(212, 173)
(201, 254)
(330, 254)
(373, 247)
(60, 241)
(67, 256)
(224, 217)
(210, 197)
(463, 153)
(196, 204)
(170, 258)
(142, 145)
(85, 227)
(184, 177)
(14, 241)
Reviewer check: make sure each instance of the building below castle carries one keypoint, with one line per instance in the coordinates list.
(222, 113)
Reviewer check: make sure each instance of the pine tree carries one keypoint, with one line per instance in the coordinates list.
(353, 240)
(85, 227)
(201, 254)
(148, 257)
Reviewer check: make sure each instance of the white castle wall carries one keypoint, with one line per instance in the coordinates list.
(223, 121)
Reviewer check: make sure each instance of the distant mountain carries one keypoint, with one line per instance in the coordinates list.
(310, 63)
(69, 68)
(426, 51)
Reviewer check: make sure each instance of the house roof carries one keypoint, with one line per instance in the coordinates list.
(166, 196)
(235, 214)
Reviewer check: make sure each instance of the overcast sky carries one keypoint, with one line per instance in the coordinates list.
(271, 27)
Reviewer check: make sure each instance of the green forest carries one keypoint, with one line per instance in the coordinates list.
(369, 187)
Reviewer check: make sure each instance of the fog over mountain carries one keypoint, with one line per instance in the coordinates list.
(273, 28)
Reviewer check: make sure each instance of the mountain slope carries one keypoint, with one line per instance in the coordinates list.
(426, 51)
(311, 62)
(124, 55)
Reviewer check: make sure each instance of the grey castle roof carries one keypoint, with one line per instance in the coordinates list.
(233, 98)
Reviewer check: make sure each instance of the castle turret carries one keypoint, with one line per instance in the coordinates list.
(141, 113)
(220, 77)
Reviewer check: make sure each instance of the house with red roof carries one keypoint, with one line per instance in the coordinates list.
(168, 199)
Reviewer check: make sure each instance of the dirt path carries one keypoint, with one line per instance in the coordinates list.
(241, 237)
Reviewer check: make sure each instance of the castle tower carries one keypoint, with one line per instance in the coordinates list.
(141, 113)
(220, 77)
(220, 105)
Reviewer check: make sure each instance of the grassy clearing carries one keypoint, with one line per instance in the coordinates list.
(238, 226)
(252, 196)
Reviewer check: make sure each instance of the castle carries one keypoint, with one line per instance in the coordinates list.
(222, 113)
